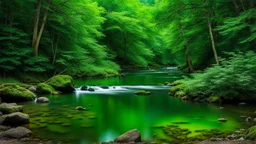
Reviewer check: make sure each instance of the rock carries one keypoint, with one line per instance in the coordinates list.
(91, 89)
(243, 116)
(254, 120)
(1, 120)
(221, 107)
(62, 83)
(143, 92)
(222, 120)
(32, 89)
(242, 103)
(213, 99)
(18, 133)
(16, 118)
(1, 113)
(84, 88)
(130, 136)
(104, 87)
(241, 139)
(15, 93)
(167, 83)
(216, 139)
(42, 100)
(251, 133)
(80, 108)
(249, 119)
(184, 98)
(6, 108)
(180, 94)
(4, 128)
(44, 88)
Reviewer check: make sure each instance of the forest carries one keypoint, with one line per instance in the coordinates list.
(80, 54)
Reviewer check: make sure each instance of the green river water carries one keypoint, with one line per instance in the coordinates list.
(111, 112)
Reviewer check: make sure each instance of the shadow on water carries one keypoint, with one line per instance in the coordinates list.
(115, 110)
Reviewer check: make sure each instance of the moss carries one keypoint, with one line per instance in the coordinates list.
(15, 93)
(176, 132)
(213, 99)
(251, 134)
(174, 89)
(10, 109)
(143, 92)
(63, 83)
(44, 88)
(180, 94)
(92, 117)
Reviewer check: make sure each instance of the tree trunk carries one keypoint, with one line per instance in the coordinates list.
(252, 3)
(36, 22)
(42, 28)
(211, 35)
(55, 49)
(188, 60)
(242, 4)
(236, 6)
(125, 48)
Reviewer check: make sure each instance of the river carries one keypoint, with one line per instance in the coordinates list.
(111, 112)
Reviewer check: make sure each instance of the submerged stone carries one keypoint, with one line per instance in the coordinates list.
(92, 117)
(86, 126)
(143, 92)
(19, 132)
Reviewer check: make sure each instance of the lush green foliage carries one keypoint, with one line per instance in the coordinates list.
(234, 79)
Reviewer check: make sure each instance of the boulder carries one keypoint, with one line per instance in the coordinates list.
(84, 88)
(130, 136)
(143, 92)
(222, 120)
(254, 114)
(44, 88)
(63, 83)
(42, 100)
(184, 98)
(32, 89)
(15, 93)
(6, 108)
(17, 133)
(15, 119)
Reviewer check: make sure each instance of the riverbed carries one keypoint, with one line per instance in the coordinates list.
(115, 109)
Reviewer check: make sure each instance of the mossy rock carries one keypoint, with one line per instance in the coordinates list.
(91, 89)
(80, 108)
(251, 134)
(10, 108)
(14, 93)
(177, 88)
(213, 99)
(86, 126)
(222, 120)
(176, 132)
(44, 88)
(180, 94)
(143, 92)
(62, 83)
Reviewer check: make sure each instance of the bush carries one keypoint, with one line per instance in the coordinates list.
(233, 79)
